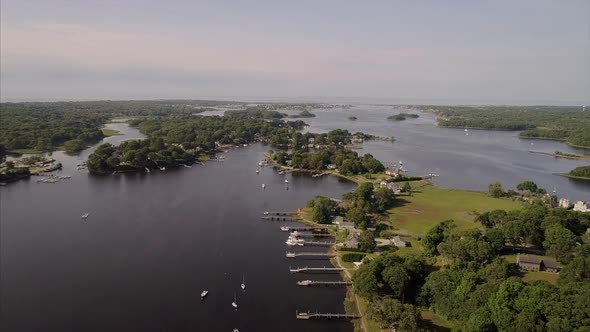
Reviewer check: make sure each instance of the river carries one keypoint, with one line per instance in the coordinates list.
(463, 161)
(152, 243)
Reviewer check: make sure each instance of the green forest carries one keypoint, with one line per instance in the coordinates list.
(402, 116)
(467, 277)
(582, 172)
(47, 126)
(564, 123)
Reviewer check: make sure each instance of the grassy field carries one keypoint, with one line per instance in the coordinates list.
(429, 205)
(110, 132)
(551, 278)
(25, 151)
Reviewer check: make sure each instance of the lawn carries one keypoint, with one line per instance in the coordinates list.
(550, 277)
(110, 132)
(429, 205)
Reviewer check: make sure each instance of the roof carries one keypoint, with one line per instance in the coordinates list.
(527, 259)
(549, 263)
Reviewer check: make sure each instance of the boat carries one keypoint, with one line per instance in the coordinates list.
(266, 213)
(243, 285)
(236, 330)
(466, 129)
(263, 186)
(257, 171)
(85, 215)
(162, 168)
(235, 302)
(286, 181)
(284, 228)
(204, 293)
(281, 173)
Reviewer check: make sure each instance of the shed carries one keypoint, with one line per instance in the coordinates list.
(550, 265)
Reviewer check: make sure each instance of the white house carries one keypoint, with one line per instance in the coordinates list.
(582, 206)
(564, 203)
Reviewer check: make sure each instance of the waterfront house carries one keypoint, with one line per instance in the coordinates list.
(564, 203)
(528, 262)
(398, 242)
(331, 166)
(582, 206)
(549, 265)
(393, 172)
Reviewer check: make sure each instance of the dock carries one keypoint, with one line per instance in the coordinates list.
(279, 218)
(277, 213)
(315, 269)
(316, 315)
(309, 254)
(312, 235)
(318, 244)
(322, 283)
(304, 228)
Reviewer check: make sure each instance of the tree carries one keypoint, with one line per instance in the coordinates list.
(322, 210)
(384, 199)
(514, 232)
(357, 216)
(528, 186)
(407, 188)
(391, 313)
(365, 280)
(495, 237)
(435, 236)
(73, 146)
(367, 241)
(495, 190)
(559, 242)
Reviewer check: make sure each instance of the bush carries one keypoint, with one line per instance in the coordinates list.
(353, 256)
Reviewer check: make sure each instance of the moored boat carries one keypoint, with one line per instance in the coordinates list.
(204, 293)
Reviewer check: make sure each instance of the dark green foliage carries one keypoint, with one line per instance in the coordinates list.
(322, 210)
(436, 236)
(390, 312)
(582, 171)
(402, 116)
(550, 122)
(527, 185)
(303, 114)
(367, 241)
(495, 190)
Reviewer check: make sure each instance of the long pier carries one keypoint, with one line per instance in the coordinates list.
(309, 254)
(312, 235)
(279, 218)
(318, 244)
(310, 315)
(304, 228)
(315, 269)
(322, 283)
(277, 213)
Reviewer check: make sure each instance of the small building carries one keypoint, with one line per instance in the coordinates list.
(564, 203)
(392, 172)
(331, 166)
(528, 263)
(582, 206)
(549, 265)
(398, 242)
(338, 220)
(395, 187)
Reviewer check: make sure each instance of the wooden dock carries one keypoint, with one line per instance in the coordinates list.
(316, 315)
(323, 283)
(309, 254)
(280, 218)
(306, 228)
(318, 244)
(314, 269)
(312, 235)
(277, 213)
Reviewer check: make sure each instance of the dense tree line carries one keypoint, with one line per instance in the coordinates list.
(565, 123)
(348, 162)
(303, 114)
(582, 171)
(45, 126)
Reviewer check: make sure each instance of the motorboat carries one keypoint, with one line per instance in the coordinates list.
(257, 171)
(235, 302)
(284, 228)
(243, 285)
(266, 213)
(263, 186)
(204, 293)
(85, 215)
(286, 181)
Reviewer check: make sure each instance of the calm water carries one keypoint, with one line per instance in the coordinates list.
(462, 161)
(152, 243)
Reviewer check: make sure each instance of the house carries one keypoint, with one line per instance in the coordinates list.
(331, 166)
(582, 206)
(391, 186)
(564, 203)
(549, 265)
(529, 263)
(392, 172)
(398, 242)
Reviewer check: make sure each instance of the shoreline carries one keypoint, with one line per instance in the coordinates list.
(565, 156)
(581, 178)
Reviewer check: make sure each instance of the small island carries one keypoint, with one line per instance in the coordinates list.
(402, 116)
(303, 114)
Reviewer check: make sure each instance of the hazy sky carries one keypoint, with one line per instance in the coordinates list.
(530, 52)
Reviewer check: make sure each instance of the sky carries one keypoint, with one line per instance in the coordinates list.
(451, 52)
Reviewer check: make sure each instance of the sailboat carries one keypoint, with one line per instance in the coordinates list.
(243, 285)
(235, 302)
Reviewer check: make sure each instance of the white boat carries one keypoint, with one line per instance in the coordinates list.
(263, 186)
(236, 330)
(85, 215)
(204, 293)
(235, 302)
(286, 181)
(257, 171)
(243, 285)
(266, 213)
(162, 168)
(284, 228)
(466, 129)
